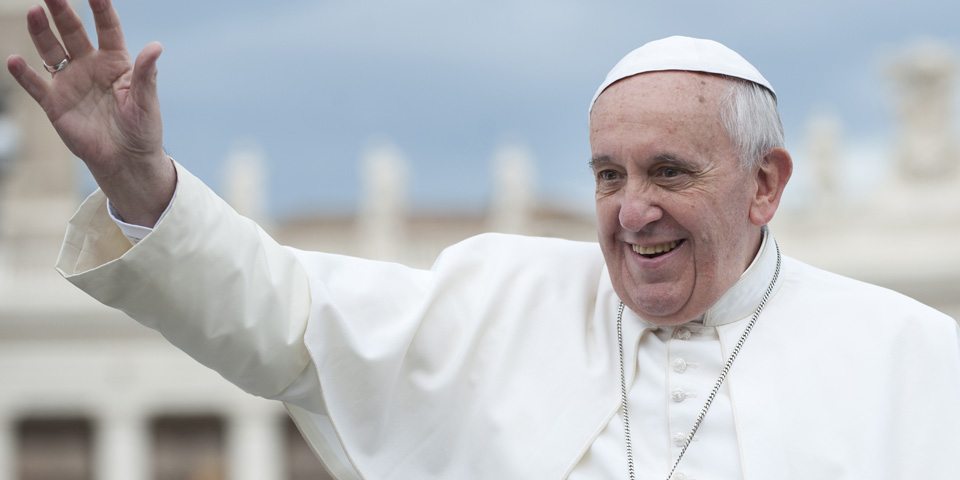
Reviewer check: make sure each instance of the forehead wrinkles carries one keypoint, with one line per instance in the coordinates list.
(671, 101)
(682, 91)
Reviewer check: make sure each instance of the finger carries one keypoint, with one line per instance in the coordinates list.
(143, 85)
(109, 33)
(28, 78)
(71, 29)
(48, 45)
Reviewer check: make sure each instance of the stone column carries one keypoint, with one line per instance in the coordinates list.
(245, 182)
(38, 185)
(514, 196)
(926, 85)
(122, 446)
(255, 443)
(383, 208)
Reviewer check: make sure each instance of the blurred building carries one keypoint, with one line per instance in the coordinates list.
(903, 233)
(88, 394)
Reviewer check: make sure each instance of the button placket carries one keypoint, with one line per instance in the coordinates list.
(689, 371)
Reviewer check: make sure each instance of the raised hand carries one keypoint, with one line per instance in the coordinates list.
(103, 105)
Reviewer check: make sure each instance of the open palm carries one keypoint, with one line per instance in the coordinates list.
(103, 106)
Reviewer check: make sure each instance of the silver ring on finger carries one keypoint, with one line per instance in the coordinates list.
(56, 68)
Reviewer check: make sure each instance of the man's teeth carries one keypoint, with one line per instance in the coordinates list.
(654, 249)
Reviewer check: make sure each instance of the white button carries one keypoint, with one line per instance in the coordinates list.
(679, 395)
(679, 365)
(683, 333)
(680, 439)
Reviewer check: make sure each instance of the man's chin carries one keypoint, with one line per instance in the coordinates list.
(660, 312)
(668, 321)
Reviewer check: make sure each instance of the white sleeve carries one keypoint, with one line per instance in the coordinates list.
(209, 280)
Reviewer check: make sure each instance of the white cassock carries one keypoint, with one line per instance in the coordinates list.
(501, 362)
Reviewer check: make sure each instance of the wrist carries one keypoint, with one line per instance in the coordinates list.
(141, 197)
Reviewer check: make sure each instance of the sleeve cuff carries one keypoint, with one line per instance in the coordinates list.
(135, 233)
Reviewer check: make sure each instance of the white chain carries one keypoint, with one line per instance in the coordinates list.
(716, 386)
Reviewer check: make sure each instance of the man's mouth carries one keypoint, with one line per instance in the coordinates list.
(654, 251)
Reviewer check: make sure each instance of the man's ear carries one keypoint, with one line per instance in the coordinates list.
(771, 178)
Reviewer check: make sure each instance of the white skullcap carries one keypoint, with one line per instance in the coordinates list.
(683, 53)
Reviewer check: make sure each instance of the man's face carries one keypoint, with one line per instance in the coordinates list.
(672, 201)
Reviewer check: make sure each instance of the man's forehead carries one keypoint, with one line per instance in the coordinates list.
(683, 54)
(662, 111)
(673, 92)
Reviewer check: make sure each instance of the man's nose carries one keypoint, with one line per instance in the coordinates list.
(639, 208)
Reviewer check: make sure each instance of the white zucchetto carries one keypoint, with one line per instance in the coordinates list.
(683, 53)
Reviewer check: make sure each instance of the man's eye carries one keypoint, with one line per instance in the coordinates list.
(608, 175)
(670, 172)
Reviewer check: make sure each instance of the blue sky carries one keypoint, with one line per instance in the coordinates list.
(448, 81)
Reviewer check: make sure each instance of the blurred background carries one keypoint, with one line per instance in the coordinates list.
(390, 129)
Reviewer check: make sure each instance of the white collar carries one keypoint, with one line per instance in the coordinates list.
(741, 300)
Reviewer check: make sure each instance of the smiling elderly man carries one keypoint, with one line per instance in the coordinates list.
(680, 214)
(684, 346)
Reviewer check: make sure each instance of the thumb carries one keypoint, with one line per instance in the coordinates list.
(143, 85)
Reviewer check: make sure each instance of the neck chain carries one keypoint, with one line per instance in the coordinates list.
(716, 386)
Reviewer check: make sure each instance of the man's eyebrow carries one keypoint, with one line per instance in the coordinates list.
(675, 160)
(598, 160)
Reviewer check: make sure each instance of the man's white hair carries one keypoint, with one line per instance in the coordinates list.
(749, 114)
